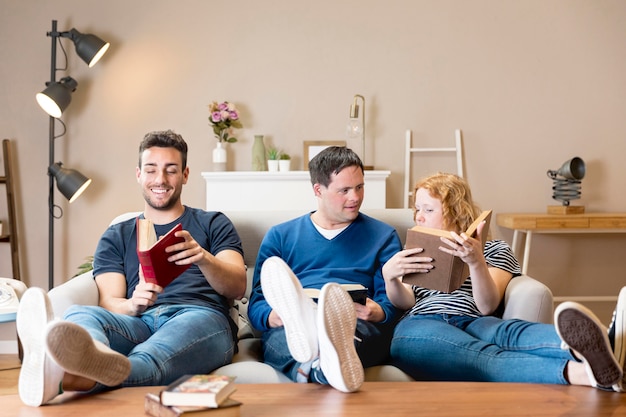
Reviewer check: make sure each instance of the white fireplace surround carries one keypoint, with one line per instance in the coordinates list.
(264, 190)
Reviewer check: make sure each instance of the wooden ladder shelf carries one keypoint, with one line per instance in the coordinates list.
(10, 235)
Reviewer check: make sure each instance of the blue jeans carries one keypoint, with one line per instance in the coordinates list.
(163, 343)
(457, 348)
(371, 341)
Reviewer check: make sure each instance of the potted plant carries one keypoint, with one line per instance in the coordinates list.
(272, 158)
(284, 162)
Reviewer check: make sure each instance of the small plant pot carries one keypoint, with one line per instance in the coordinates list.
(284, 165)
(272, 165)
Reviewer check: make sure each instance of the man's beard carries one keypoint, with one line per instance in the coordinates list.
(165, 205)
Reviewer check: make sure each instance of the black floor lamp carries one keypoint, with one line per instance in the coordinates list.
(54, 100)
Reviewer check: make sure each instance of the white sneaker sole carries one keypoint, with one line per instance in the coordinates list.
(336, 320)
(581, 331)
(73, 348)
(283, 292)
(40, 378)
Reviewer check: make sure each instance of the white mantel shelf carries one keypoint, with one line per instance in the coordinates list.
(264, 190)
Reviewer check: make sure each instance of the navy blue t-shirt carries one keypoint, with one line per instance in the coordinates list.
(117, 252)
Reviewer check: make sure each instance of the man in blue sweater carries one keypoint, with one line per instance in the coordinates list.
(329, 342)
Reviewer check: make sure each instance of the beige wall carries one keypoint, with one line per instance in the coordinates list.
(531, 83)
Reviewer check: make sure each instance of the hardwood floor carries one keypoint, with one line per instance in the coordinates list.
(9, 372)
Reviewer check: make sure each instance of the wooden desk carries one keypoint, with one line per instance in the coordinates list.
(531, 223)
(441, 399)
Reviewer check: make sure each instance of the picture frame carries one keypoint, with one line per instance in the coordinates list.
(313, 147)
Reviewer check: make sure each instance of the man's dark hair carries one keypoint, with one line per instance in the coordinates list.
(331, 161)
(164, 139)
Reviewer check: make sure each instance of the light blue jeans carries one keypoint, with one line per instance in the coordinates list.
(457, 348)
(162, 344)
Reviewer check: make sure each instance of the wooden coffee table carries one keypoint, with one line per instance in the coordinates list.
(388, 399)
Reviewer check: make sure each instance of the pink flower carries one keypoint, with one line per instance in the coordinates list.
(224, 116)
(216, 116)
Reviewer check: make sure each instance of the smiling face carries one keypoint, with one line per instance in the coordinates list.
(161, 176)
(428, 210)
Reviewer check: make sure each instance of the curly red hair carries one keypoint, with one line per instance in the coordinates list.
(459, 209)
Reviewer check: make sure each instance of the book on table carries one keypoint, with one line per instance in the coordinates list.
(152, 256)
(449, 271)
(357, 291)
(153, 407)
(202, 390)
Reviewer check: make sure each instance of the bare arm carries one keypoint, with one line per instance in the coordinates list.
(488, 283)
(225, 272)
(112, 290)
(404, 262)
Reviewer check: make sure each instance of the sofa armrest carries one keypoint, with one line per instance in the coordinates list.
(79, 290)
(528, 299)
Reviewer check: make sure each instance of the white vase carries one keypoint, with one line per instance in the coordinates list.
(272, 165)
(220, 157)
(284, 165)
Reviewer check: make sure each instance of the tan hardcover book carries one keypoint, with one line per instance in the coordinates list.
(450, 271)
(152, 256)
(153, 407)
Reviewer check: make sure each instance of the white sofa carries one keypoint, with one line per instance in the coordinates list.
(526, 298)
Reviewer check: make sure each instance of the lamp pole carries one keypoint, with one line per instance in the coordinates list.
(54, 99)
(51, 132)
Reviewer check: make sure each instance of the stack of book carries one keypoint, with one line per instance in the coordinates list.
(195, 395)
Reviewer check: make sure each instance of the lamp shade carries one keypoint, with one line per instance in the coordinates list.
(70, 182)
(89, 48)
(57, 96)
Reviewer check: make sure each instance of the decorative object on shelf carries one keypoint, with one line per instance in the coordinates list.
(284, 162)
(272, 158)
(313, 147)
(224, 116)
(220, 157)
(355, 130)
(566, 186)
(258, 154)
(54, 99)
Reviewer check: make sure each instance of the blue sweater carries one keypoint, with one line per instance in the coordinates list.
(356, 255)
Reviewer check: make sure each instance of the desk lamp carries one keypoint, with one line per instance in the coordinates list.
(567, 180)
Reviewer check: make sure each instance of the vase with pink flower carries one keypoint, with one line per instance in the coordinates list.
(224, 117)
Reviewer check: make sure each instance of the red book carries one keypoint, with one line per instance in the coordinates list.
(152, 256)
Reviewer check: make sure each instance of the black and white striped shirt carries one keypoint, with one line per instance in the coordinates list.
(461, 302)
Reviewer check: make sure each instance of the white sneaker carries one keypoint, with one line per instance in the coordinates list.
(336, 321)
(284, 294)
(617, 333)
(582, 331)
(73, 348)
(40, 377)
